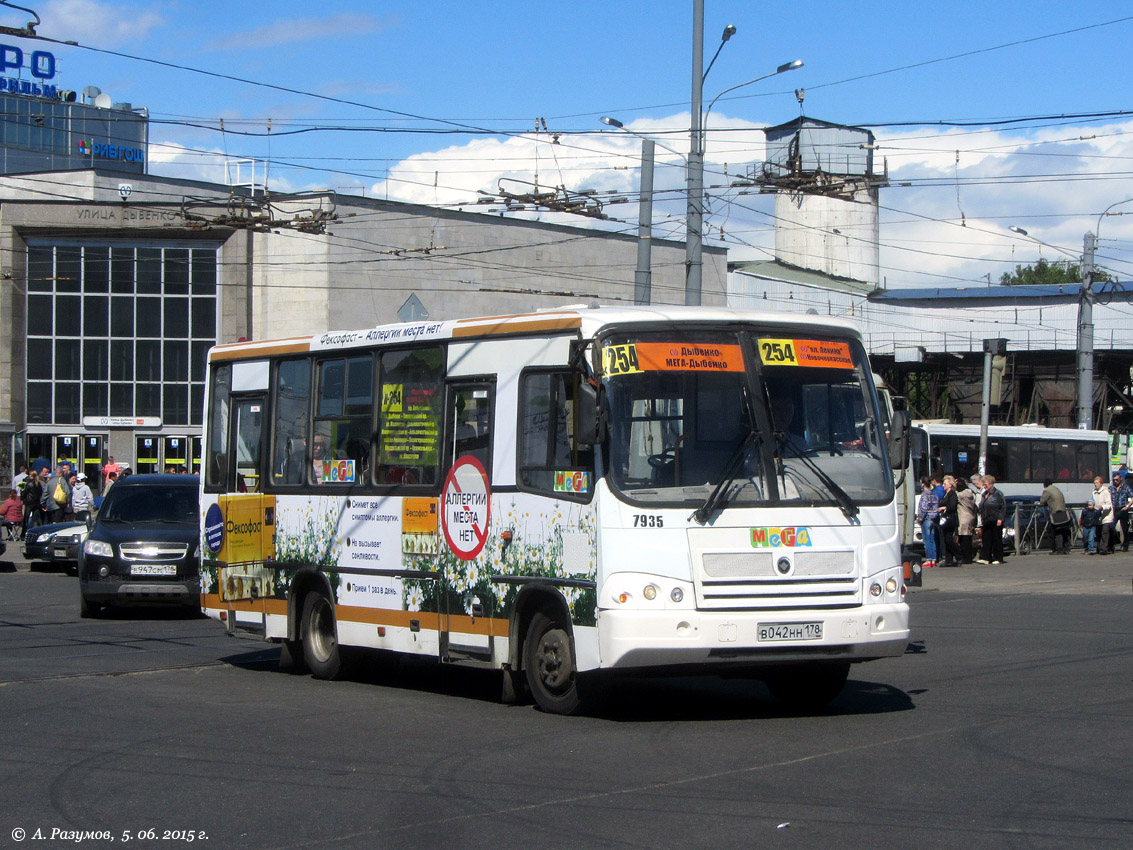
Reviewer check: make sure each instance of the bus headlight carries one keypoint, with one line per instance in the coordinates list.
(677, 595)
(649, 592)
(875, 589)
(891, 586)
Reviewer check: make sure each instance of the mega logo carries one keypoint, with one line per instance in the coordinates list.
(572, 482)
(774, 538)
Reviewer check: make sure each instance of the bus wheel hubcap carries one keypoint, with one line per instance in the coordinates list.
(554, 659)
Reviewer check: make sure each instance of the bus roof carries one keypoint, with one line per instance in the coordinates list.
(1025, 432)
(586, 321)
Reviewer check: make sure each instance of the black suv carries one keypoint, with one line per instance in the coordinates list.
(142, 549)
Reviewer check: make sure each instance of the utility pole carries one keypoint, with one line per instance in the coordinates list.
(694, 220)
(992, 348)
(643, 276)
(1086, 336)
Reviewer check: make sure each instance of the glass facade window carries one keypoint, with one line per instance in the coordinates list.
(129, 321)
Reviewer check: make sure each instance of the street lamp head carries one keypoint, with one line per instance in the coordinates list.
(612, 122)
(1018, 230)
(729, 31)
(789, 66)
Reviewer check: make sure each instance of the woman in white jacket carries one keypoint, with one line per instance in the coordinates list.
(1103, 502)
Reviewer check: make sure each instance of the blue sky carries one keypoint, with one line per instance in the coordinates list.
(422, 86)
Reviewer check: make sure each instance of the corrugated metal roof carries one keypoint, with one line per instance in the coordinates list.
(984, 295)
(785, 273)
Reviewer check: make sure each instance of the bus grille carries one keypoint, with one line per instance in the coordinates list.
(738, 581)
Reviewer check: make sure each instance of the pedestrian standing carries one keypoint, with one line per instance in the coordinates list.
(1122, 501)
(111, 467)
(82, 499)
(949, 522)
(1103, 501)
(966, 513)
(993, 513)
(928, 509)
(1089, 521)
(1055, 503)
(56, 495)
(32, 497)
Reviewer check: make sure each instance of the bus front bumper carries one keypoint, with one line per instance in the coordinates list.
(639, 639)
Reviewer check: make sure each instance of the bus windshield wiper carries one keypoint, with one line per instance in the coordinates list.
(845, 502)
(704, 512)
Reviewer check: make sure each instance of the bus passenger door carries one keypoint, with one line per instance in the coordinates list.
(249, 536)
(465, 612)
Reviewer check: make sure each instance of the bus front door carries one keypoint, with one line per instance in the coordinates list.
(249, 517)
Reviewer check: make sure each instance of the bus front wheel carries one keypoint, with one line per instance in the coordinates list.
(549, 665)
(320, 639)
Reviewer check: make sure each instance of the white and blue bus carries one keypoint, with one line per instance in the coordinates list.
(558, 494)
(1020, 457)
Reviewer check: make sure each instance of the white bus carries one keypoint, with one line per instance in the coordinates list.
(1020, 457)
(559, 494)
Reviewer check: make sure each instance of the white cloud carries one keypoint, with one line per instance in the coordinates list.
(944, 222)
(97, 24)
(296, 30)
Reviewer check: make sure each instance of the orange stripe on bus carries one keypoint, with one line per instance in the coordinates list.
(504, 325)
(243, 351)
(373, 616)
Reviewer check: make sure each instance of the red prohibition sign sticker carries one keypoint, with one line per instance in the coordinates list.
(466, 503)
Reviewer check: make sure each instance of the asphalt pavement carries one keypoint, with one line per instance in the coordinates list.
(1038, 573)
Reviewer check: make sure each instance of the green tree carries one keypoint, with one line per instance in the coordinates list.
(1044, 273)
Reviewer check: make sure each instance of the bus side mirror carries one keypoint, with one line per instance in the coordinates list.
(589, 414)
(899, 440)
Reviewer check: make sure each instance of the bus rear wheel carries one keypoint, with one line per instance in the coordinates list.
(320, 638)
(548, 661)
(807, 687)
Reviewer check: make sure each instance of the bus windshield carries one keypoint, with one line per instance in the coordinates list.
(760, 418)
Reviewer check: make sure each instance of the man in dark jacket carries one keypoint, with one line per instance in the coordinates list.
(32, 496)
(1122, 501)
(1053, 500)
(993, 513)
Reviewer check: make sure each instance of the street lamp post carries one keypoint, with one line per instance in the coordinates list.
(1085, 343)
(643, 275)
(694, 176)
(694, 222)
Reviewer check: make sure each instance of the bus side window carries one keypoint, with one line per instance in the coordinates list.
(343, 421)
(411, 410)
(292, 413)
(549, 458)
(249, 416)
(216, 458)
(470, 420)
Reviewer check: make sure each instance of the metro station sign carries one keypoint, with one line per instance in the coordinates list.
(39, 64)
(121, 421)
